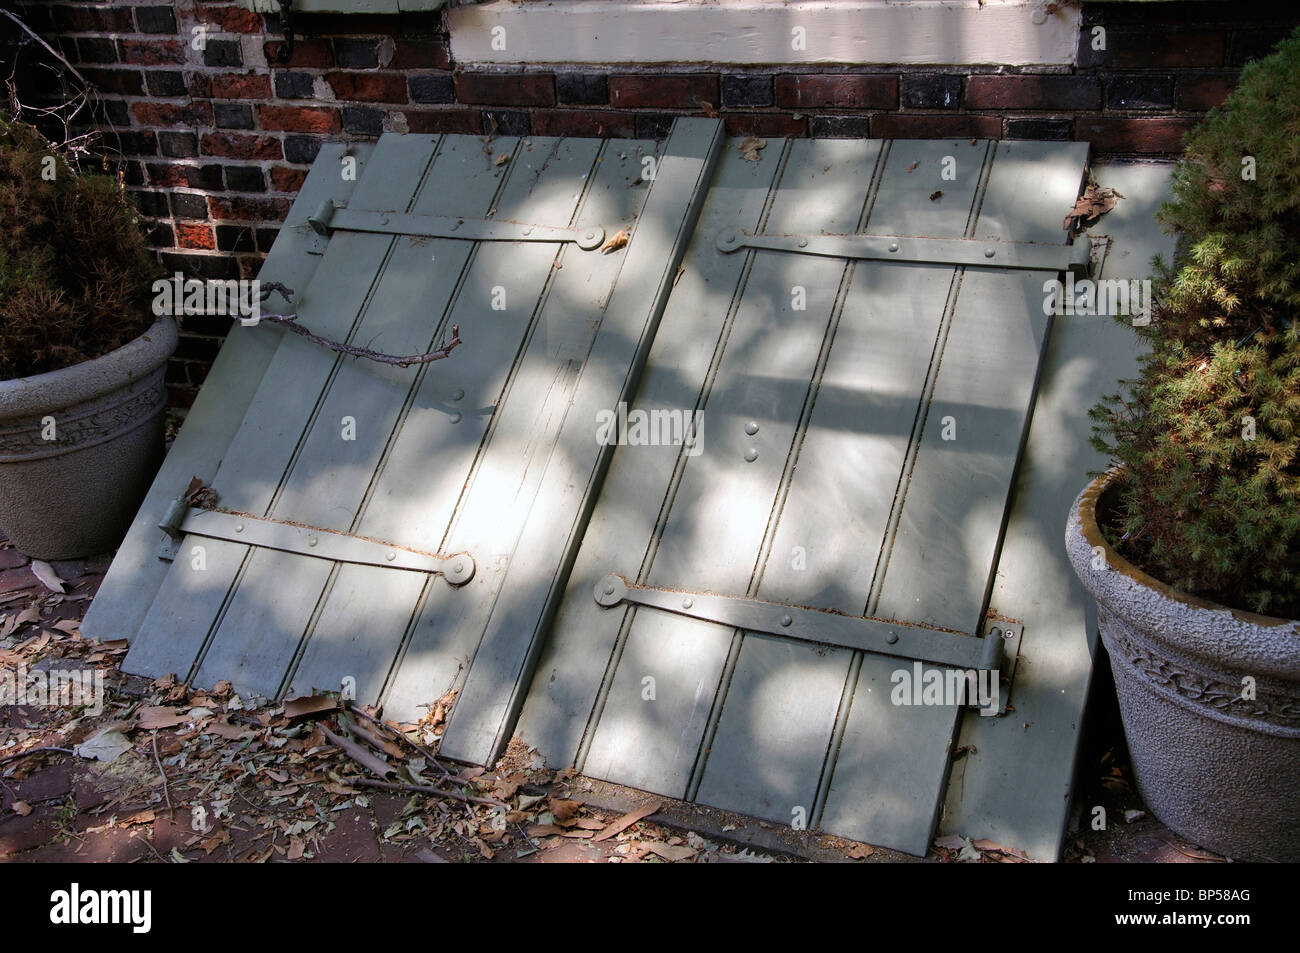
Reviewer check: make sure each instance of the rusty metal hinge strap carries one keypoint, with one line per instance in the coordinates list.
(182, 520)
(995, 650)
(330, 218)
(971, 252)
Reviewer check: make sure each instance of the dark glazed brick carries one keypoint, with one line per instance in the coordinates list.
(245, 179)
(1247, 45)
(185, 205)
(155, 20)
(232, 115)
(437, 88)
(773, 125)
(357, 120)
(505, 89)
(508, 122)
(161, 235)
(931, 91)
(582, 89)
(123, 82)
(266, 238)
(289, 85)
(355, 54)
(1041, 129)
(840, 127)
(935, 126)
(825, 90)
(93, 49)
(456, 121)
(1140, 91)
(153, 204)
(303, 149)
(165, 82)
(207, 177)
(1032, 92)
(178, 145)
(654, 125)
(600, 123)
(222, 53)
(744, 89)
(1204, 92)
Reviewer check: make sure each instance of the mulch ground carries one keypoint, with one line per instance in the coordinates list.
(157, 772)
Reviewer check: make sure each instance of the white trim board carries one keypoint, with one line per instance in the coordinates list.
(903, 32)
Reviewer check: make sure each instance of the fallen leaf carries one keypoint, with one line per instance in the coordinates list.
(1131, 816)
(969, 852)
(709, 110)
(562, 809)
(670, 852)
(936, 194)
(750, 147)
(627, 820)
(307, 705)
(22, 808)
(1091, 205)
(859, 851)
(951, 842)
(501, 159)
(108, 745)
(615, 241)
(912, 167)
(48, 577)
(153, 718)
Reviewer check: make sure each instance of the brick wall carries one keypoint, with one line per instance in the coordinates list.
(216, 138)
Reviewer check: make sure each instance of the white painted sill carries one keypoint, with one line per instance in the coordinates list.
(753, 32)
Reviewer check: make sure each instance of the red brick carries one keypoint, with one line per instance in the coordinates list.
(368, 87)
(818, 90)
(232, 145)
(250, 265)
(285, 179)
(167, 175)
(93, 20)
(241, 86)
(506, 89)
(313, 53)
(172, 114)
(1144, 136)
(421, 54)
(1033, 92)
(777, 125)
(1161, 48)
(467, 121)
(601, 123)
(232, 19)
(244, 208)
(299, 119)
(663, 92)
(1204, 92)
(120, 81)
(895, 126)
(195, 235)
(151, 52)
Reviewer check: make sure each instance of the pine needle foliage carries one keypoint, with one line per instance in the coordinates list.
(1209, 433)
(75, 272)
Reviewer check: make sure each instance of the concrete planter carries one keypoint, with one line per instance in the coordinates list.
(75, 494)
(1221, 769)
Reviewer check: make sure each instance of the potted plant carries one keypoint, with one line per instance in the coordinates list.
(1190, 544)
(81, 357)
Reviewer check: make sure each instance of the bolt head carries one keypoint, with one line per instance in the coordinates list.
(990, 252)
(751, 455)
(609, 588)
(687, 602)
(391, 556)
(785, 621)
(751, 428)
(893, 638)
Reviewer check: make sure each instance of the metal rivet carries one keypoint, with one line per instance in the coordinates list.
(311, 540)
(391, 556)
(1008, 634)
(751, 428)
(609, 588)
(893, 638)
(751, 455)
(893, 246)
(457, 394)
(989, 252)
(239, 527)
(528, 230)
(458, 568)
(687, 602)
(803, 243)
(785, 621)
(455, 418)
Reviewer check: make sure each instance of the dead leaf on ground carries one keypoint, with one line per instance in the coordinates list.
(669, 852)
(750, 147)
(950, 842)
(307, 705)
(21, 808)
(859, 851)
(615, 241)
(709, 109)
(563, 809)
(156, 717)
(1091, 205)
(108, 745)
(48, 577)
(501, 159)
(627, 820)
